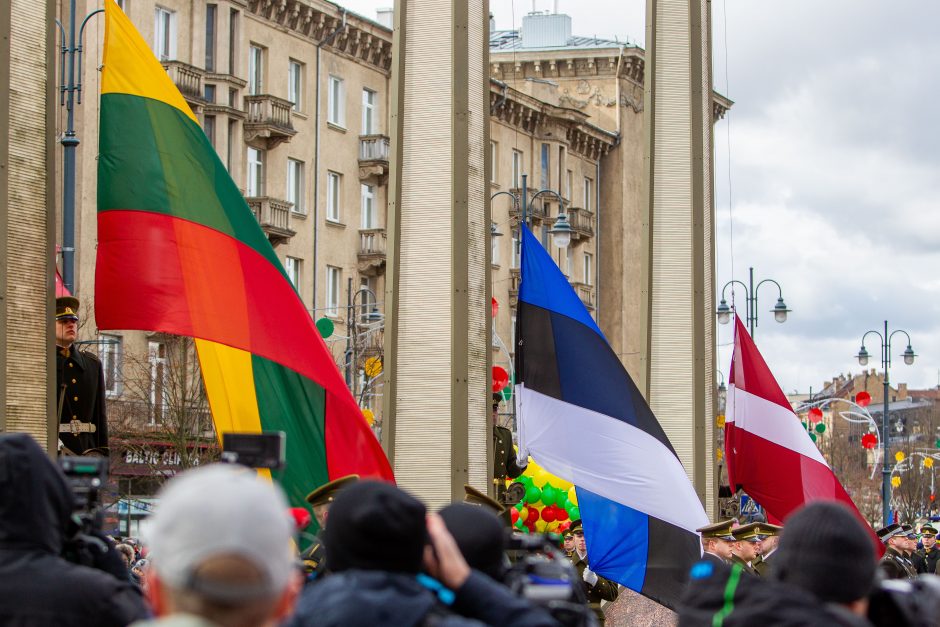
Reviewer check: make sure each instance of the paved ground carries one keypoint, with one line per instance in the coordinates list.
(634, 610)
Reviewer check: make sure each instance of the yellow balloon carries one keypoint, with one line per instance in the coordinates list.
(895, 481)
(540, 526)
(928, 462)
(899, 456)
(552, 527)
(573, 496)
(369, 415)
(540, 478)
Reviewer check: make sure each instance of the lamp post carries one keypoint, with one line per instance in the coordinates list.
(862, 357)
(561, 228)
(779, 311)
(71, 94)
(352, 343)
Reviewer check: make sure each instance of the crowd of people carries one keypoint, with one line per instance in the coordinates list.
(220, 550)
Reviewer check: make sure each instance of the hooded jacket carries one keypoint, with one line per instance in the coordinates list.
(37, 586)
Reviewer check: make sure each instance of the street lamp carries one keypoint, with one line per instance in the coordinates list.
(863, 357)
(352, 318)
(779, 311)
(561, 228)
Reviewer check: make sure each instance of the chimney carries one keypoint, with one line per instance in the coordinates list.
(385, 17)
(902, 391)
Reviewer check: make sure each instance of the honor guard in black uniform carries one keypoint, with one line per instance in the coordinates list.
(314, 558)
(505, 463)
(893, 564)
(768, 547)
(79, 400)
(596, 588)
(746, 547)
(925, 560)
(716, 541)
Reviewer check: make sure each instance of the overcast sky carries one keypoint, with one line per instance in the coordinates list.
(834, 160)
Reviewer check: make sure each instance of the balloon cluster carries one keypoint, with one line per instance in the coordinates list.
(550, 504)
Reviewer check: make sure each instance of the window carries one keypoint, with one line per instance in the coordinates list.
(164, 34)
(588, 185)
(544, 236)
(588, 268)
(516, 249)
(333, 181)
(255, 186)
(292, 268)
(208, 125)
(232, 41)
(516, 169)
(111, 353)
(255, 70)
(123, 5)
(512, 333)
(232, 97)
(494, 162)
(335, 102)
(569, 261)
(367, 299)
(494, 247)
(211, 11)
(546, 166)
(159, 376)
(368, 206)
(208, 93)
(230, 147)
(295, 185)
(569, 176)
(369, 112)
(295, 77)
(334, 277)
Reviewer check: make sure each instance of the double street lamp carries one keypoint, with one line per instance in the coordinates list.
(863, 357)
(779, 311)
(561, 228)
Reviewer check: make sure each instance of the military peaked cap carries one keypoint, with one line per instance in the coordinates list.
(326, 493)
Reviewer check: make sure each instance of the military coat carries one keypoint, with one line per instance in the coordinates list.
(925, 560)
(79, 401)
(747, 567)
(895, 566)
(603, 590)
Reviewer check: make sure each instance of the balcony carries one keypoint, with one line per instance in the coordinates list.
(188, 79)
(371, 251)
(373, 157)
(268, 120)
(582, 222)
(585, 293)
(274, 217)
(536, 210)
(515, 276)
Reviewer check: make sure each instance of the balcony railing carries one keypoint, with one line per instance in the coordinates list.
(187, 78)
(585, 293)
(536, 210)
(373, 157)
(274, 217)
(371, 251)
(515, 280)
(582, 221)
(268, 118)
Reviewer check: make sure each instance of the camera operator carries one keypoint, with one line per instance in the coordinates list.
(37, 586)
(377, 543)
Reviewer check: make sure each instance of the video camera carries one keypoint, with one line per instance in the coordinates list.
(255, 450)
(542, 573)
(906, 603)
(86, 477)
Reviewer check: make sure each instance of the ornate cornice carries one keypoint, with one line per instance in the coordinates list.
(626, 62)
(356, 37)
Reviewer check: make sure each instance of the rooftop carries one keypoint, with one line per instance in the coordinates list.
(508, 40)
(547, 31)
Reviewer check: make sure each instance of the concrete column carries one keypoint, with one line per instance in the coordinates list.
(437, 318)
(27, 81)
(680, 227)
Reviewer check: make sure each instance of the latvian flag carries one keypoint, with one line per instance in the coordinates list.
(769, 453)
(583, 419)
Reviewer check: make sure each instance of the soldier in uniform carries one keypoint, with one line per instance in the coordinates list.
(80, 406)
(314, 558)
(569, 543)
(768, 547)
(893, 564)
(925, 560)
(505, 463)
(596, 588)
(716, 541)
(473, 496)
(746, 547)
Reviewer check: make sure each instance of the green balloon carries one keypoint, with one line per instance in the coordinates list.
(507, 393)
(936, 444)
(524, 529)
(548, 494)
(821, 428)
(519, 506)
(532, 494)
(519, 524)
(574, 513)
(326, 327)
(565, 504)
(812, 436)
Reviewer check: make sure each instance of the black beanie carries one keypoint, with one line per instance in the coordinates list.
(825, 550)
(479, 535)
(375, 526)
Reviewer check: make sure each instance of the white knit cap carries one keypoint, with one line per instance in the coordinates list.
(219, 510)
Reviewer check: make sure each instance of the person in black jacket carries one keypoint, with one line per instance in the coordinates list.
(37, 586)
(392, 564)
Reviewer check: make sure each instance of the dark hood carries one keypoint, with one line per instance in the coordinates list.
(35, 500)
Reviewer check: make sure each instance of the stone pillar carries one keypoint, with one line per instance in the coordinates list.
(27, 84)
(438, 282)
(678, 108)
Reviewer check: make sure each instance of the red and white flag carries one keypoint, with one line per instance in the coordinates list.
(769, 453)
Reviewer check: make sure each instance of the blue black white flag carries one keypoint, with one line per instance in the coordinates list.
(582, 418)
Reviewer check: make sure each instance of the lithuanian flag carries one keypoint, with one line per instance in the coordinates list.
(180, 252)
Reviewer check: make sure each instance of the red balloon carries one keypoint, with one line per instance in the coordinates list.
(815, 414)
(563, 527)
(532, 517)
(514, 514)
(500, 378)
(560, 513)
(548, 514)
(495, 306)
(863, 399)
(301, 517)
(869, 441)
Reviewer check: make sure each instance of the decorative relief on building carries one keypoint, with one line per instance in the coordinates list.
(586, 94)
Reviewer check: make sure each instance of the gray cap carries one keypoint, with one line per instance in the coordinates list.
(221, 510)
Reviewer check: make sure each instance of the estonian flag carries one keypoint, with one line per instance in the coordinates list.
(583, 419)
